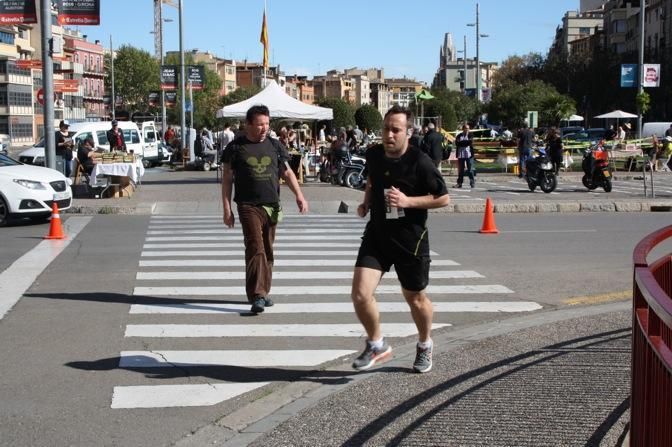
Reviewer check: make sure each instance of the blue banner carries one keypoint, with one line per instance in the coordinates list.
(628, 75)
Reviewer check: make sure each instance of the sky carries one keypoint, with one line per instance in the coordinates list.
(310, 37)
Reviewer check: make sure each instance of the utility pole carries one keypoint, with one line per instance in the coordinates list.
(158, 49)
(464, 53)
(478, 60)
(183, 126)
(48, 84)
(642, 20)
(113, 103)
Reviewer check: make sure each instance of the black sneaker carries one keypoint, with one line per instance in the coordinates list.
(258, 305)
(371, 356)
(268, 302)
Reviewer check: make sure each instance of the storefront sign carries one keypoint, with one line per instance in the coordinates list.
(16, 12)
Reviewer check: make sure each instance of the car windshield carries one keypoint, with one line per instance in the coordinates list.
(6, 161)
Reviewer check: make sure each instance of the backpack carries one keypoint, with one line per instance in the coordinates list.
(198, 146)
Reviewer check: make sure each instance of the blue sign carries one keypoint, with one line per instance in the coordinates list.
(187, 106)
(628, 75)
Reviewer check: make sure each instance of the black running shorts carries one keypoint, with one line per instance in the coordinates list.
(412, 271)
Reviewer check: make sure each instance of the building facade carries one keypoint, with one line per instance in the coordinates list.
(90, 55)
(403, 91)
(576, 25)
(381, 96)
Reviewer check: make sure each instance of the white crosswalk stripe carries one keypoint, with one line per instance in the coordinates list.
(191, 294)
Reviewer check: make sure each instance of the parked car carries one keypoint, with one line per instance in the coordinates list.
(143, 141)
(658, 129)
(29, 191)
(564, 131)
(588, 135)
(4, 143)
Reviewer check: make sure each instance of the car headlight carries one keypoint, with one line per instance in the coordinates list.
(30, 184)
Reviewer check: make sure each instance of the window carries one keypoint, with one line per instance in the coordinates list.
(619, 26)
(82, 137)
(102, 138)
(584, 30)
(131, 136)
(7, 38)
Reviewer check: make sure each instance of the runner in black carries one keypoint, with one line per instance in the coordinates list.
(403, 184)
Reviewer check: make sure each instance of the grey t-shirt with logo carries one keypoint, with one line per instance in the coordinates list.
(256, 169)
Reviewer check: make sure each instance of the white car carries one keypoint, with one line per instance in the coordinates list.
(29, 191)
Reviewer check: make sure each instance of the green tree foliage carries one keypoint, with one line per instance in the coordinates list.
(519, 70)
(136, 74)
(443, 108)
(344, 113)
(238, 95)
(368, 117)
(465, 108)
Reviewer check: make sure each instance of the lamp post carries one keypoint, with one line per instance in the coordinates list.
(478, 47)
(159, 50)
(183, 126)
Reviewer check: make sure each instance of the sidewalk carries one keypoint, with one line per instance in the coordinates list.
(555, 378)
(194, 192)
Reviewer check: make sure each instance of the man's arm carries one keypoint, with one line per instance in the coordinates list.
(293, 184)
(227, 187)
(401, 200)
(363, 207)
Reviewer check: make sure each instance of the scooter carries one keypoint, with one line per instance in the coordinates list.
(344, 169)
(540, 172)
(595, 166)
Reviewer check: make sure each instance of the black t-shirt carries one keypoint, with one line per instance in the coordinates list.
(62, 150)
(415, 174)
(525, 139)
(83, 156)
(256, 169)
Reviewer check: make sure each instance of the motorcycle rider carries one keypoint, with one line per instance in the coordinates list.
(554, 145)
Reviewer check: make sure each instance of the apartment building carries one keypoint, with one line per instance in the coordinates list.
(91, 74)
(403, 90)
(305, 89)
(576, 25)
(16, 84)
(381, 96)
(334, 85)
(225, 68)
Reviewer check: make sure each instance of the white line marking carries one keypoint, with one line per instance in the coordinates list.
(267, 330)
(163, 396)
(19, 276)
(277, 263)
(301, 275)
(196, 230)
(183, 253)
(220, 224)
(512, 193)
(550, 231)
(239, 237)
(287, 216)
(249, 358)
(311, 290)
(312, 308)
(240, 245)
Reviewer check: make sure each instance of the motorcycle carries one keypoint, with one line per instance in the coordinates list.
(596, 170)
(343, 168)
(540, 172)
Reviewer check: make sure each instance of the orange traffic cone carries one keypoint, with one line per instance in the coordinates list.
(55, 228)
(489, 226)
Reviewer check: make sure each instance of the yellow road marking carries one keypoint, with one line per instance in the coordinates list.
(602, 298)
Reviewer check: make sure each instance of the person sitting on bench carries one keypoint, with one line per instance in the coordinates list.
(87, 155)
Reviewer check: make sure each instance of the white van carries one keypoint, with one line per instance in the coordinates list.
(657, 129)
(143, 142)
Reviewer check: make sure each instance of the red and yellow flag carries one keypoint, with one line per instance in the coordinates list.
(264, 40)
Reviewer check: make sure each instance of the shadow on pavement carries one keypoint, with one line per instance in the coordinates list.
(515, 365)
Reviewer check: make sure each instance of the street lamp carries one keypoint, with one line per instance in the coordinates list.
(158, 43)
(478, 45)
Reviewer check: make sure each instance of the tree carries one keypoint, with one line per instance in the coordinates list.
(136, 74)
(344, 113)
(443, 108)
(238, 95)
(368, 117)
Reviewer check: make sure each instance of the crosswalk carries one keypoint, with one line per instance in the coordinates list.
(191, 333)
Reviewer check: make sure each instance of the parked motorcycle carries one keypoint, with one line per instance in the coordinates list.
(342, 168)
(540, 172)
(596, 170)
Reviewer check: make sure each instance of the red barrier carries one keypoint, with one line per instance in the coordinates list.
(651, 386)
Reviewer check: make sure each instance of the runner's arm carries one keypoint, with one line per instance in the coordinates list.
(293, 183)
(399, 199)
(227, 187)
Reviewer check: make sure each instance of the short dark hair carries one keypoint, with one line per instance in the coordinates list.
(399, 109)
(256, 110)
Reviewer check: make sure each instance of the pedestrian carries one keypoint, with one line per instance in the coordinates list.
(416, 138)
(255, 163)
(668, 131)
(464, 143)
(555, 149)
(208, 148)
(116, 138)
(432, 144)
(322, 135)
(402, 185)
(64, 146)
(525, 140)
(226, 137)
(169, 136)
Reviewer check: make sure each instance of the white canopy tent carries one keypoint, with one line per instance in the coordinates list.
(574, 118)
(280, 104)
(618, 114)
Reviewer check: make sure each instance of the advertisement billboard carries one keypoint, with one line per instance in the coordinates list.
(17, 12)
(651, 75)
(171, 99)
(169, 77)
(628, 75)
(79, 12)
(196, 75)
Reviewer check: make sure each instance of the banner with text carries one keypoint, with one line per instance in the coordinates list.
(16, 12)
(196, 75)
(169, 77)
(79, 12)
(154, 99)
(171, 99)
(628, 75)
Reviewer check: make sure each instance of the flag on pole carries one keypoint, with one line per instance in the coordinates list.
(264, 40)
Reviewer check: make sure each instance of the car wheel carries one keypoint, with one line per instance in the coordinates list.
(206, 166)
(4, 212)
(146, 163)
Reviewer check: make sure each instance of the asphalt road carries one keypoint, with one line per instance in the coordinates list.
(61, 344)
